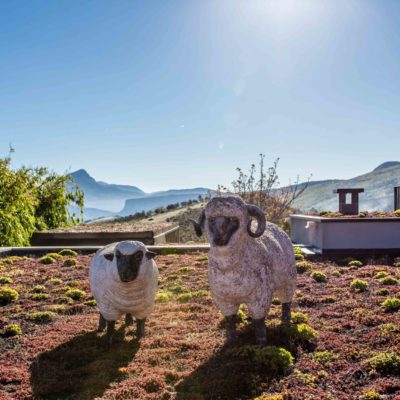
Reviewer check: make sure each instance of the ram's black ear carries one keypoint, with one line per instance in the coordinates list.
(150, 254)
(109, 256)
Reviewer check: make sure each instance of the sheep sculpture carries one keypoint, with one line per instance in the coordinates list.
(123, 278)
(246, 267)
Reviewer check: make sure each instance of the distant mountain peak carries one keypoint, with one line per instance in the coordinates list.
(387, 164)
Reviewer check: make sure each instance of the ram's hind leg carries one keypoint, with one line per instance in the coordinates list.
(110, 331)
(102, 324)
(286, 310)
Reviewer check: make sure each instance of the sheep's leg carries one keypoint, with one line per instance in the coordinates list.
(261, 331)
(102, 324)
(128, 319)
(230, 323)
(140, 327)
(110, 331)
(286, 307)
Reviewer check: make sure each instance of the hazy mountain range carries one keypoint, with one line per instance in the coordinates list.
(378, 185)
(105, 199)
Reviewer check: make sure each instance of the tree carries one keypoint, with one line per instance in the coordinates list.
(34, 199)
(263, 190)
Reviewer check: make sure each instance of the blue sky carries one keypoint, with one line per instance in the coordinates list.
(173, 94)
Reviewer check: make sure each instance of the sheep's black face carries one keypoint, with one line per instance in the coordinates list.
(128, 265)
(222, 228)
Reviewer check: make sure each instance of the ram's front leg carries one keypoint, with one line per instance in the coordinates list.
(230, 311)
(258, 310)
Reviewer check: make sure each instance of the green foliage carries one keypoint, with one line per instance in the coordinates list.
(396, 264)
(385, 363)
(90, 303)
(275, 301)
(370, 395)
(275, 360)
(328, 300)
(47, 260)
(303, 334)
(5, 279)
(54, 281)
(318, 276)
(397, 213)
(359, 285)
(184, 297)
(33, 199)
(388, 280)
(41, 316)
(75, 294)
(70, 262)
(381, 274)
(56, 256)
(74, 283)
(172, 277)
(39, 289)
(303, 266)
(382, 292)
(162, 297)
(68, 252)
(177, 289)
(355, 263)
(58, 308)
(391, 304)
(325, 357)
(299, 256)
(7, 295)
(298, 318)
(39, 296)
(12, 330)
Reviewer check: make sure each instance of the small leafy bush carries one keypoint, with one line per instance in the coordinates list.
(68, 252)
(328, 300)
(397, 213)
(186, 269)
(70, 262)
(303, 266)
(56, 256)
(5, 279)
(275, 301)
(359, 285)
(370, 395)
(172, 277)
(385, 363)
(388, 280)
(299, 256)
(8, 295)
(396, 264)
(12, 330)
(355, 263)
(177, 289)
(90, 303)
(54, 281)
(42, 316)
(391, 304)
(39, 289)
(382, 292)
(58, 308)
(39, 296)
(75, 294)
(381, 274)
(325, 357)
(303, 335)
(74, 283)
(318, 276)
(47, 260)
(298, 318)
(184, 297)
(162, 297)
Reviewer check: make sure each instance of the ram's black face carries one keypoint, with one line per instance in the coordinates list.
(222, 228)
(128, 265)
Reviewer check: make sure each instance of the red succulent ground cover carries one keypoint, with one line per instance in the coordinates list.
(183, 355)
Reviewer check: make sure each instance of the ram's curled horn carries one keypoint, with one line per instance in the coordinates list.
(258, 214)
(198, 226)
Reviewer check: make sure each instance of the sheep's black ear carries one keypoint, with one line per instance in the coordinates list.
(150, 254)
(109, 256)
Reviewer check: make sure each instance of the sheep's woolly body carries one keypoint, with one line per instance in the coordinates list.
(114, 297)
(250, 271)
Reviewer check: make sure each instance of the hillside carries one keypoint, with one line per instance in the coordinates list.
(378, 185)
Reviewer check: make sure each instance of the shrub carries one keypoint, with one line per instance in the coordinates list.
(359, 285)
(355, 263)
(73, 283)
(385, 363)
(388, 280)
(303, 335)
(370, 395)
(39, 296)
(382, 292)
(391, 304)
(12, 330)
(90, 303)
(298, 256)
(186, 269)
(319, 276)
(298, 318)
(54, 281)
(70, 262)
(396, 264)
(172, 277)
(328, 300)
(184, 297)
(8, 295)
(276, 301)
(177, 289)
(75, 294)
(42, 316)
(162, 297)
(5, 279)
(275, 360)
(57, 308)
(397, 213)
(47, 260)
(381, 274)
(303, 266)
(325, 357)
(56, 256)
(39, 289)
(68, 252)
